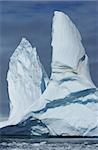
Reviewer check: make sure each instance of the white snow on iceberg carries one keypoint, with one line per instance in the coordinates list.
(68, 105)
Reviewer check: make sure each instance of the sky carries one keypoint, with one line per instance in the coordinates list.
(33, 20)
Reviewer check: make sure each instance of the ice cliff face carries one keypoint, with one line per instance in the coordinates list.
(69, 104)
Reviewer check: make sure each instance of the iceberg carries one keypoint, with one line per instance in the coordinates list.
(65, 105)
(27, 80)
(69, 105)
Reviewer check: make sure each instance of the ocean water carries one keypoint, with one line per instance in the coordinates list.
(49, 144)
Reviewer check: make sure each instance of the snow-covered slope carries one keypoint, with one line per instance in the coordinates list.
(26, 80)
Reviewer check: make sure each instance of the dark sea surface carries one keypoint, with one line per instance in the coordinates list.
(49, 144)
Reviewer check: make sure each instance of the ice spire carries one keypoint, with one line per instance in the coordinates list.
(68, 53)
(66, 41)
(26, 80)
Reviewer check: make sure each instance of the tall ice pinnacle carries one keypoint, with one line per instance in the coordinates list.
(26, 80)
(68, 53)
(66, 42)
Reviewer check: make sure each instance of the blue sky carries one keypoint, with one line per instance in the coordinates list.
(33, 20)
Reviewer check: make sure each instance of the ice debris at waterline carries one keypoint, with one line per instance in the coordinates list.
(68, 105)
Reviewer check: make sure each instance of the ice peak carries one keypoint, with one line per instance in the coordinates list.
(26, 80)
(26, 47)
(24, 41)
(66, 41)
(60, 14)
(25, 44)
